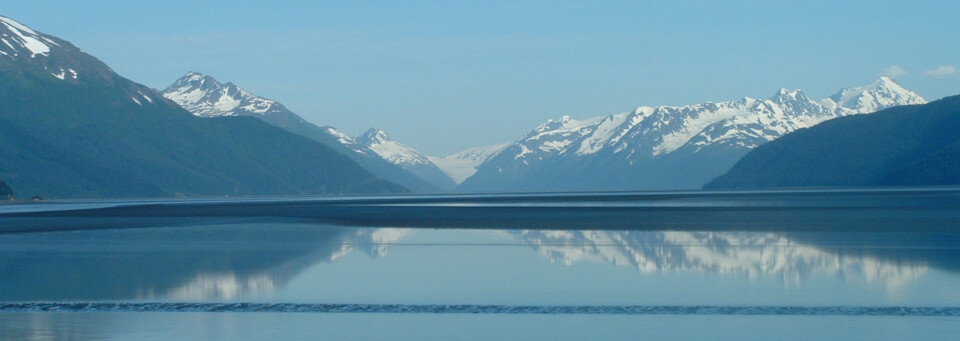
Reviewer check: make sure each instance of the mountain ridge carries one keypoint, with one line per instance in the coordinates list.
(71, 127)
(916, 145)
(204, 96)
(405, 157)
(663, 147)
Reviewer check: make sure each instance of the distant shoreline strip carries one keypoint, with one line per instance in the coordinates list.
(476, 309)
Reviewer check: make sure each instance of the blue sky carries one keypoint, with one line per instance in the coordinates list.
(441, 76)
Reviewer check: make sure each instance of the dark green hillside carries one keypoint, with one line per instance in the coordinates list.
(90, 140)
(101, 135)
(912, 145)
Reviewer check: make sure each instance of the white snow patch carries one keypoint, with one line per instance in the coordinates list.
(691, 127)
(341, 137)
(392, 151)
(602, 134)
(145, 96)
(28, 37)
(8, 44)
(226, 102)
(62, 75)
(523, 152)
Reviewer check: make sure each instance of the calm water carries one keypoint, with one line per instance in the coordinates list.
(203, 275)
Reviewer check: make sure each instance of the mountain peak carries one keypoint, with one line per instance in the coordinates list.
(886, 83)
(373, 136)
(663, 147)
(20, 40)
(204, 96)
(193, 74)
(390, 150)
(24, 50)
(881, 94)
(194, 80)
(788, 95)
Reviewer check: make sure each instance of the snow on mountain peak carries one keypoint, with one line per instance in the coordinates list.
(20, 39)
(392, 151)
(373, 136)
(27, 48)
(785, 95)
(881, 94)
(747, 122)
(204, 96)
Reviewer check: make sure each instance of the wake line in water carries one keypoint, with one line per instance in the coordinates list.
(475, 309)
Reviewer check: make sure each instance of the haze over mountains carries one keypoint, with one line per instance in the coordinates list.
(405, 157)
(71, 127)
(649, 148)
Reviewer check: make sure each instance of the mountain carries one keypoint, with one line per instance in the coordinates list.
(206, 97)
(912, 145)
(461, 165)
(665, 147)
(405, 157)
(71, 127)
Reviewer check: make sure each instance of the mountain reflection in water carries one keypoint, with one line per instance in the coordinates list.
(254, 260)
(750, 254)
(228, 285)
(196, 263)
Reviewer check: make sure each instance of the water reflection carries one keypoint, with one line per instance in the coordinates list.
(749, 254)
(205, 262)
(254, 260)
(229, 285)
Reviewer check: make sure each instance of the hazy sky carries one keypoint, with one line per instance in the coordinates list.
(441, 76)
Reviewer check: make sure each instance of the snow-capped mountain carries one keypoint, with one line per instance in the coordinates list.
(22, 41)
(73, 128)
(405, 157)
(22, 45)
(23, 50)
(393, 151)
(461, 165)
(204, 96)
(666, 147)
(880, 95)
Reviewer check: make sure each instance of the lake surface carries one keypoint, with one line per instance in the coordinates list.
(746, 265)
